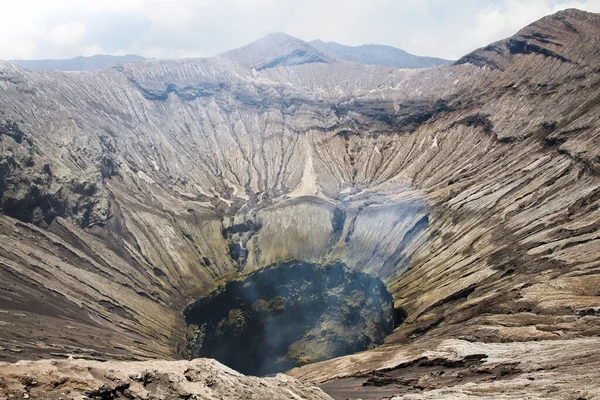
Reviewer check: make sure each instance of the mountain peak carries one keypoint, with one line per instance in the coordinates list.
(570, 36)
(277, 49)
(281, 36)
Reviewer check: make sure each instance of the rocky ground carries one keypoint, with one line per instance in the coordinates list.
(460, 369)
(151, 380)
(471, 190)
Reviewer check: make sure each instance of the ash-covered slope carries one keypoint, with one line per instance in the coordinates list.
(471, 190)
(376, 54)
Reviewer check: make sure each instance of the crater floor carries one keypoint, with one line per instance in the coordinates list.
(288, 315)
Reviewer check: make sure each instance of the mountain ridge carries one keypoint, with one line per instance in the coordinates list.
(80, 63)
(554, 36)
(375, 54)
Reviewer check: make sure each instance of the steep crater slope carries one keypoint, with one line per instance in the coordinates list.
(471, 191)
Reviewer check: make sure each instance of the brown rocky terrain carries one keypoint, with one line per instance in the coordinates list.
(472, 191)
(197, 379)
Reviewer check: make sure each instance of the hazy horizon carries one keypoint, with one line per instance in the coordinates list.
(137, 55)
(63, 29)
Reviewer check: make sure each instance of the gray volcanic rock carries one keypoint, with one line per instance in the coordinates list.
(80, 63)
(200, 379)
(460, 369)
(32, 192)
(471, 190)
(376, 54)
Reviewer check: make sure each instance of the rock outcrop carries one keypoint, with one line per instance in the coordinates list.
(150, 380)
(472, 191)
(462, 369)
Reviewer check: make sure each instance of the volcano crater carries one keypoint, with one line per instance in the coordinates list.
(290, 314)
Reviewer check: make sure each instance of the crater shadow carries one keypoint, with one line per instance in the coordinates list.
(290, 314)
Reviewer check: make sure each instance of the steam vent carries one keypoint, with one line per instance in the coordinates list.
(288, 315)
(279, 223)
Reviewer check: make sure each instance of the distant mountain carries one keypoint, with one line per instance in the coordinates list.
(79, 63)
(376, 54)
(277, 49)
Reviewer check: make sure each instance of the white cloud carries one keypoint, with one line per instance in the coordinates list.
(589, 5)
(176, 28)
(494, 21)
(66, 35)
(112, 6)
(92, 50)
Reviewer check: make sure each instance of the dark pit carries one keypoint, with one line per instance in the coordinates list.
(288, 315)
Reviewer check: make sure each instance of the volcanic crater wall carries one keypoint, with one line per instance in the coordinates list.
(471, 191)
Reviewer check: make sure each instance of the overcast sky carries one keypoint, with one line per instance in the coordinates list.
(34, 29)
